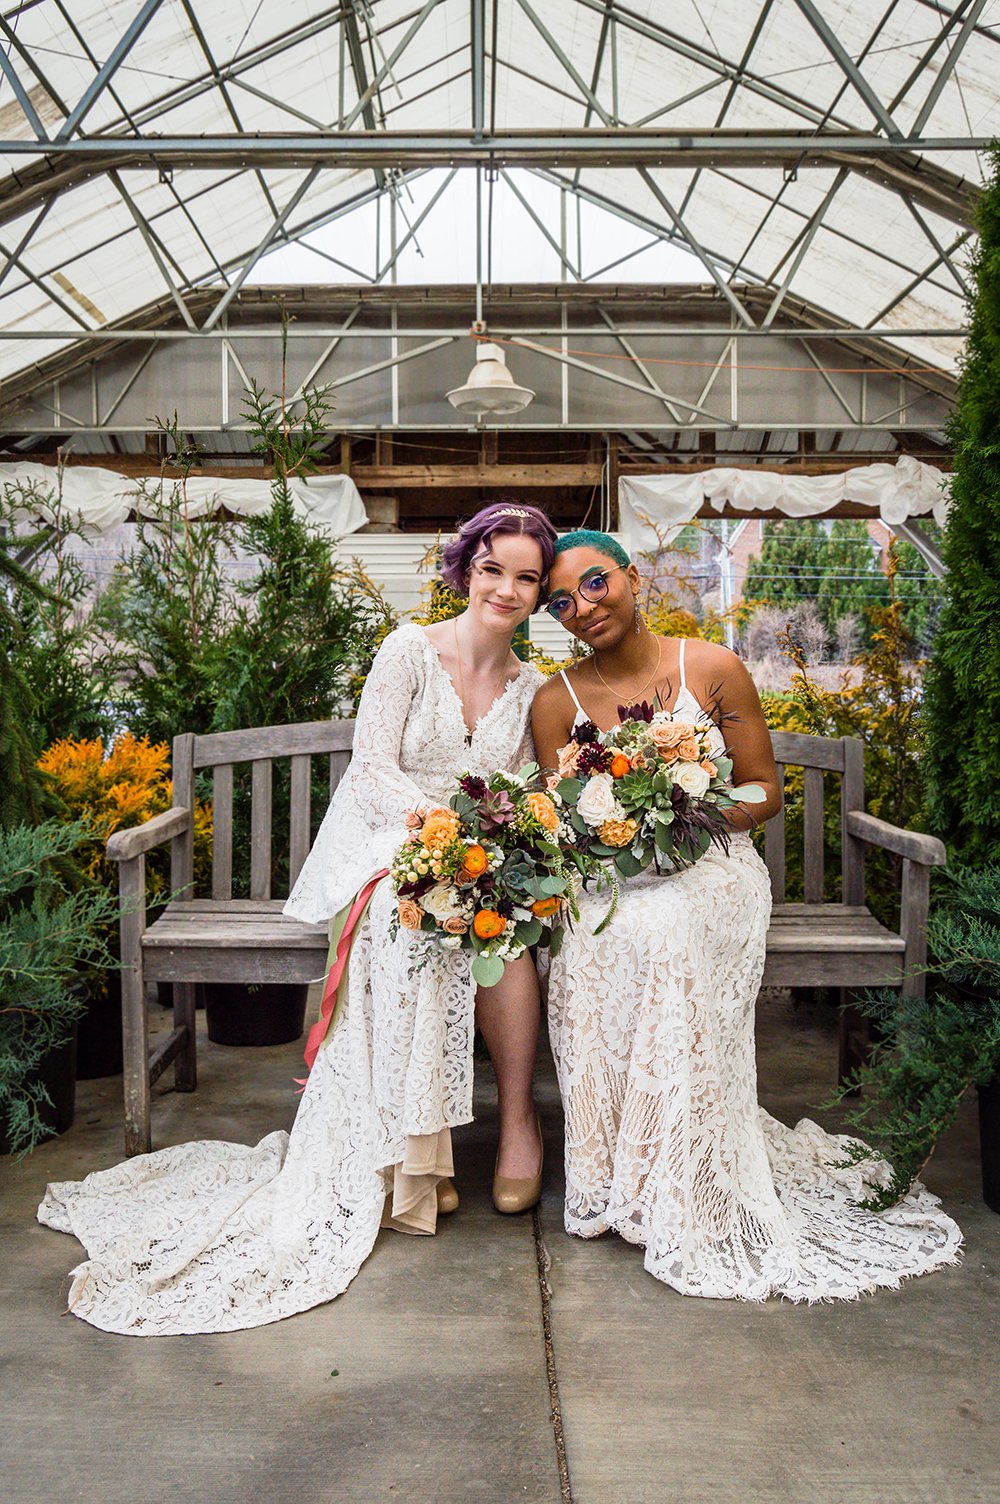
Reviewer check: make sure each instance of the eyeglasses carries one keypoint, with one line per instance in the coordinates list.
(593, 588)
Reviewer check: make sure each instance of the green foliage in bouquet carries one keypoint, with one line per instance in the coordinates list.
(51, 930)
(932, 1050)
(963, 683)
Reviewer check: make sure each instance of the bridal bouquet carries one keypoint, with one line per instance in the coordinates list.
(486, 874)
(649, 792)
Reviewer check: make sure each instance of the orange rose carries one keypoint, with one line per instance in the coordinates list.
(620, 765)
(410, 914)
(544, 811)
(414, 820)
(439, 829)
(474, 863)
(488, 924)
(709, 767)
(667, 737)
(568, 757)
(687, 750)
(543, 907)
(453, 925)
(618, 832)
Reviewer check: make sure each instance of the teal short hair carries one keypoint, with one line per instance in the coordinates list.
(585, 537)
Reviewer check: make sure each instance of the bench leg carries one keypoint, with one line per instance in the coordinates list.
(135, 1023)
(186, 1061)
(854, 1038)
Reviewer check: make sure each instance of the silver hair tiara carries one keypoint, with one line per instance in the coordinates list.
(512, 512)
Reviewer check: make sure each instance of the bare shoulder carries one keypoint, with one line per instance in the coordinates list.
(551, 692)
(712, 660)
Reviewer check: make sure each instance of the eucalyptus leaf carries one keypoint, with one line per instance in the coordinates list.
(748, 793)
(529, 931)
(569, 789)
(487, 970)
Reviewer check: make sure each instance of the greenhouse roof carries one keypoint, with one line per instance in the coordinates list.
(827, 150)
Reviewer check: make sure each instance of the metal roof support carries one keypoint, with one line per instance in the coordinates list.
(144, 360)
(110, 66)
(636, 386)
(610, 265)
(153, 247)
(637, 362)
(691, 239)
(727, 351)
(607, 25)
(923, 62)
(477, 48)
(318, 365)
(918, 278)
(833, 45)
(263, 244)
(29, 59)
(558, 52)
(202, 40)
(805, 240)
(947, 67)
(393, 360)
(935, 242)
(387, 67)
(396, 250)
(925, 546)
(828, 379)
(541, 226)
(13, 258)
(21, 95)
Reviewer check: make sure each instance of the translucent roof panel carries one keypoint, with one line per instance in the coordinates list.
(878, 237)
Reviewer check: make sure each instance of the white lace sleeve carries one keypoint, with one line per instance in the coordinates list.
(383, 793)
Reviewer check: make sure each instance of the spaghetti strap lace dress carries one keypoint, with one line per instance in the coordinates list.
(652, 1030)
(214, 1237)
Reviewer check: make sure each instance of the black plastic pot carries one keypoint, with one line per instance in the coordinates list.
(99, 1034)
(57, 1073)
(989, 1142)
(260, 1014)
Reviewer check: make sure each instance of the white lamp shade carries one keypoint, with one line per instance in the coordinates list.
(490, 387)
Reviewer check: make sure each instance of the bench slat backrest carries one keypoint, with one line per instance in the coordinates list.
(260, 747)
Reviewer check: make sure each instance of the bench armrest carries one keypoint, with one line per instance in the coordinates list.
(912, 844)
(123, 845)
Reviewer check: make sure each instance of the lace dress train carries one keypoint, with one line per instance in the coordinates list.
(215, 1237)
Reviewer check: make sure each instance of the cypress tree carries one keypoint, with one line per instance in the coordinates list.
(963, 682)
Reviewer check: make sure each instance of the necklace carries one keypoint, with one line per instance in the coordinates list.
(461, 686)
(631, 695)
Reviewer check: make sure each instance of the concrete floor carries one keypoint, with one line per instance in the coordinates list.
(430, 1379)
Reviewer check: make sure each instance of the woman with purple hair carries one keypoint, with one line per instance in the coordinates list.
(211, 1237)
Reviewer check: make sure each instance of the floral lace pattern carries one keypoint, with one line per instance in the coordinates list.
(652, 1030)
(214, 1237)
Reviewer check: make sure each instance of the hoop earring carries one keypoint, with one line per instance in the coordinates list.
(638, 617)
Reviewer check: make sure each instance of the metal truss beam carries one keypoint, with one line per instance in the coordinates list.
(112, 63)
(947, 67)
(849, 68)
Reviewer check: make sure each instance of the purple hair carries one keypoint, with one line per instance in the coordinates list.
(500, 517)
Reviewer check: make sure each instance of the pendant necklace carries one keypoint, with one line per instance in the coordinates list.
(461, 687)
(633, 695)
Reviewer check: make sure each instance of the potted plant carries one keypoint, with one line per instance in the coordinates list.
(101, 791)
(53, 927)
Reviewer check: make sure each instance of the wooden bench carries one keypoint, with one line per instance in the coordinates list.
(810, 944)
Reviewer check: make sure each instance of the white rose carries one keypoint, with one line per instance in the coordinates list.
(691, 777)
(597, 803)
(440, 902)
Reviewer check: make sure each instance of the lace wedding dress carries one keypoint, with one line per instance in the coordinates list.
(214, 1237)
(652, 1029)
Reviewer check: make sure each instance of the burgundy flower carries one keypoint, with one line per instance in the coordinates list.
(585, 733)
(640, 711)
(474, 787)
(593, 759)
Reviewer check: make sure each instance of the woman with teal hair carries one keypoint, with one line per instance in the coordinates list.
(652, 1021)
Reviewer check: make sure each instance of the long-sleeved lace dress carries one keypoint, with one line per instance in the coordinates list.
(213, 1237)
(652, 1030)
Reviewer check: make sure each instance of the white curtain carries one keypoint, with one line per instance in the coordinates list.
(896, 493)
(102, 498)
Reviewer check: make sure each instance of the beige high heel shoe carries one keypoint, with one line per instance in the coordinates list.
(447, 1196)
(511, 1195)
